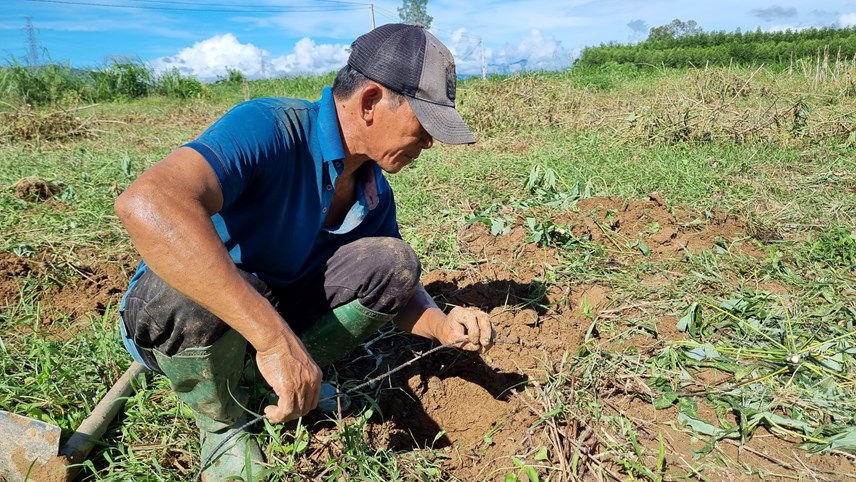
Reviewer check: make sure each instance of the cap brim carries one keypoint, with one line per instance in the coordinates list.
(444, 123)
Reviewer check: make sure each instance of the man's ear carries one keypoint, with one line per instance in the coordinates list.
(370, 97)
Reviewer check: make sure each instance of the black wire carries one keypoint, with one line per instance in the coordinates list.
(220, 445)
(208, 4)
(261, 9)
(352, 391)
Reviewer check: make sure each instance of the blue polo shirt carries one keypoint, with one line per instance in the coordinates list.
(277, 161)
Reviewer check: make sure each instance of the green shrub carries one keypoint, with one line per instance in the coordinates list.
(233, 76)
(42, 85)
(123, 80)
(173, 84)
(835, 247)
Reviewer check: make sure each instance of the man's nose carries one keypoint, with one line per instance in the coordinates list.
(427, 141)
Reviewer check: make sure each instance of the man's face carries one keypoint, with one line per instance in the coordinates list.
(396, 137)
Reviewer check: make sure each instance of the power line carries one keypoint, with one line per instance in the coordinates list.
(243, 5)
(394, 19)
(387, 13)
(245, 8)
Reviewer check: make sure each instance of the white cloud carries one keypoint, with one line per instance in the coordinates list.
(311, 58)
(467, 51)
(847, 20)
(783, 28)
(534, 52)
(210, 59)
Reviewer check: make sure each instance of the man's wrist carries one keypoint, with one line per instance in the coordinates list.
(266, 332)
(435, 323)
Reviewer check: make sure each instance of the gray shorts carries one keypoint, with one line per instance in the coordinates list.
(382, 273)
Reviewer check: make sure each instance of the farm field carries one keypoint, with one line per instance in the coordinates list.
(668, 257)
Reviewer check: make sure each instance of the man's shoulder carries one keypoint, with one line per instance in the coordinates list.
(279, 103)
(264, 112)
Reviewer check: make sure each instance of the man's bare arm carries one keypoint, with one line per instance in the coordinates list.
(167, 214)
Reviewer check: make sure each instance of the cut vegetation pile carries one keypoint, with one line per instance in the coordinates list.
(26, 124)
(810, 103)
(668, 258)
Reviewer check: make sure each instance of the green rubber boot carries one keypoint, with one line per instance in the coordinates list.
(331, 338)
(206, 379)
(339, 331)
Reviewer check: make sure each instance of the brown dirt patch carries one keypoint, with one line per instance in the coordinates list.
(665, 231)
(478, 403)
(35, 189)
(98, 288)
(67, 288)
(765, 457)
(12, 268)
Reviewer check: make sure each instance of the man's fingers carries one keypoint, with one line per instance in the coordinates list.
(283, 411)
(486, 333)
(273, 414)
(295, 379)
(291, 407)
(472, 329)
(478, 331)
(467, 320)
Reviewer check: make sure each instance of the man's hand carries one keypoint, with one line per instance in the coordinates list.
(295, 378)
(466, 328)
(469, 324)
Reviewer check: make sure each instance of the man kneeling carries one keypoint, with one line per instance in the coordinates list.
(277, 228)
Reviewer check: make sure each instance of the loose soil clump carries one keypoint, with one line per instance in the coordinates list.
(68, 289)
(34, 189)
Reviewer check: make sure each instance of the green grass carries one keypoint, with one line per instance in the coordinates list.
(61, 85)
(545, 141)
(55, 380)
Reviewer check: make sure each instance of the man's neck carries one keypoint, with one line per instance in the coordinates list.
(350, 126)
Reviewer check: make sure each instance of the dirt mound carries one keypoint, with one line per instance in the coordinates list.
(67, 288)
(650, 221)
(646, 227)
(35, 189)
(471, 408)
(472, 400)
(98, 288)
(13, 270)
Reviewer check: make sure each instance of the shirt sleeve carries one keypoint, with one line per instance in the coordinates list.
(238, 145)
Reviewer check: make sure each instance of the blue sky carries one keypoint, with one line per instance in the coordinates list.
(289, 37)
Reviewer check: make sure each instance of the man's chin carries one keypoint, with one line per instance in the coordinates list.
(392, 168)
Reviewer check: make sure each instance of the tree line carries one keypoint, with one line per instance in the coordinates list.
(684, 44)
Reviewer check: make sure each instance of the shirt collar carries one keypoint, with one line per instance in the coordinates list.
(328, 127)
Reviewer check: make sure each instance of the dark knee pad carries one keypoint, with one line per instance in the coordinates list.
(380, 272)
(394, 274)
